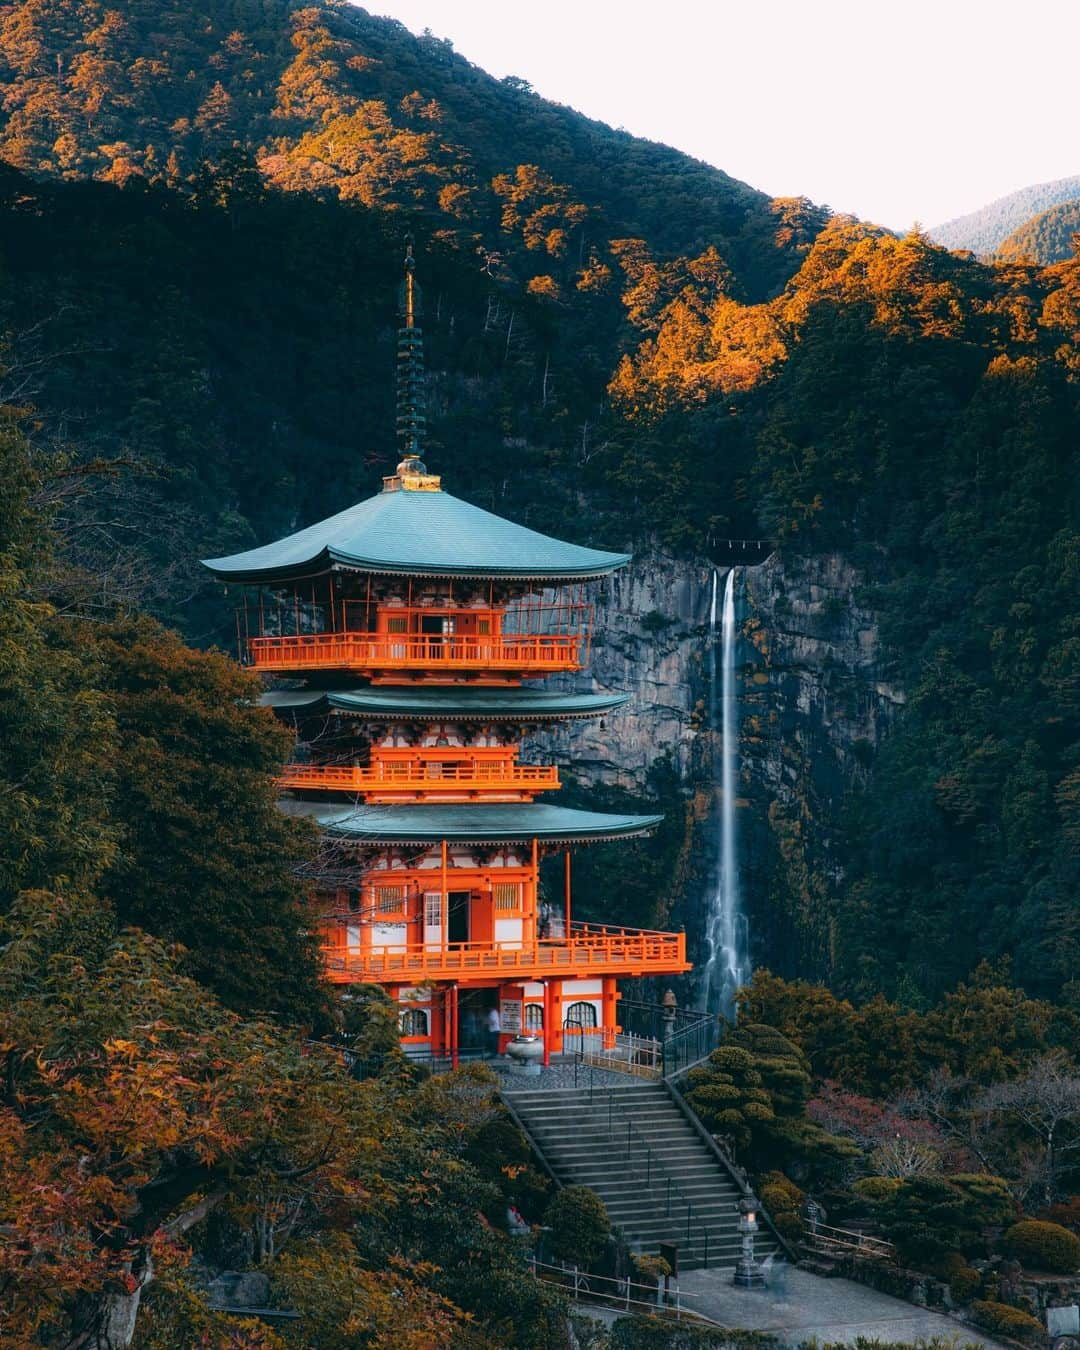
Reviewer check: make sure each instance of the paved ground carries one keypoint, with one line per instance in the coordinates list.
(561, 1074)
(816, 1308)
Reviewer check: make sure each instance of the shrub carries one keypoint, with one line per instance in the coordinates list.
(1006, 1321)
(641, 1332)
(650, 1270)
(779, 1194)
(927, 1217)
(579, 1225)
(789, 1225)
(876, 1189)
(1066, 1213)
(949, 1264)
(1044, 1246)
(965, 1284)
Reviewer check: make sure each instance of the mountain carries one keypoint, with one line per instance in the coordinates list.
(984, 231)
(334, 101)
(1045, 238)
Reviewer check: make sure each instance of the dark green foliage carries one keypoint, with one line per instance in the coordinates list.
(655, 1333)
(579, 1225)
(982, 231)
(1046, 238)
(204, 856)
(984, 1031)
(1044, 1246)
(927, 1217)
(56, 737)
(753, 1093)
(964, 1283)
(1005, 1320)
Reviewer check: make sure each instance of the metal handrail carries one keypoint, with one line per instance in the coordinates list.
(703, 1035)
(670, 1184)
(818, 1234)
(737, 1176)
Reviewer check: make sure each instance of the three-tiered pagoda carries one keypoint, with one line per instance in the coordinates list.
(420, 627)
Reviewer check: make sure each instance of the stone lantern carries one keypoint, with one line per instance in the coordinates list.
(748, 1274)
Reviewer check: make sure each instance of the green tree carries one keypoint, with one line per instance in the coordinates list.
(204, 855)
(753, 1092)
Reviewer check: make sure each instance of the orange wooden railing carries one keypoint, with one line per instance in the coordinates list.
(399, 777)
(393, 651)
(589, 949)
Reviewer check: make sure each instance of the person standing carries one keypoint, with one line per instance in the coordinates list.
(494, 1030)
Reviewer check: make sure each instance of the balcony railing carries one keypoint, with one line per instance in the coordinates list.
(372, 653)
(590, 949)
(397, 780)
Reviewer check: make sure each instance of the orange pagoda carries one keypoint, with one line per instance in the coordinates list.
(408, 635)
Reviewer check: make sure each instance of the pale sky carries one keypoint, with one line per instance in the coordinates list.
(918, 110)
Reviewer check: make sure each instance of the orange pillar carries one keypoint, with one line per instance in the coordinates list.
(610, 997)
(549, 1021)
(531, 935)
(454, 1031)
(566, 894)
(444, 906)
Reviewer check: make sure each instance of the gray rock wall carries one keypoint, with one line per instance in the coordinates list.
(816, 700)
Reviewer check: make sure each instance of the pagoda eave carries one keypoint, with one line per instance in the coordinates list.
(458, 704)
(485, 824)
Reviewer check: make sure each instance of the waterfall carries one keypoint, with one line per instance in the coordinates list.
(727, 930)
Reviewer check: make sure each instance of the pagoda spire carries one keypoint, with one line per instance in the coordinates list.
(411, 421)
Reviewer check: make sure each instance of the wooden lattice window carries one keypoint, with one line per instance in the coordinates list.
(483, 627)
(397, 623)
(580, 1014)
(389, 899)
(414, 1022)
(433, 910)
(507, 896)
(534, 1017)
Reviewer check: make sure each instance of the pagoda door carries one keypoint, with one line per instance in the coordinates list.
(458, 916)
(433, 929)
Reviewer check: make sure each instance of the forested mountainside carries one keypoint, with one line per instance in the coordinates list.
(333, 101)
(1045, 238)
(984, 231)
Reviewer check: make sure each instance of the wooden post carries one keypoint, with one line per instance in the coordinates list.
(454, 1031)
(610, 995)
(566, 896)
(549, 1022)
(533, 933)
(444, 907)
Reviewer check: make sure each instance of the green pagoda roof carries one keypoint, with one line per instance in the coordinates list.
(464, 703)
(472, 823)
(422, 533)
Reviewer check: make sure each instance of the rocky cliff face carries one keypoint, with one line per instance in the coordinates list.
(815, 702)
(650, 635)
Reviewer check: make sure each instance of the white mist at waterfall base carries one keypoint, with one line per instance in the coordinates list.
(727, 931)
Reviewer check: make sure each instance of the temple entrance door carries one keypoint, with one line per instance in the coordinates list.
(458, 917)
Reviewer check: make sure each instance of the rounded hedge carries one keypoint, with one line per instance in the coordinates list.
(1044, 1246)
(965, 1284)
(1007, 1321)
(579, 1225)
(788, 1224)
(875, 1189)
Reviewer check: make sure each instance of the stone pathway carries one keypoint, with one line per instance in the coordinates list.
(562, 1075)
(812, 1308)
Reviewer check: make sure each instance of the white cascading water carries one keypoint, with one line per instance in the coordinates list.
(727, 931)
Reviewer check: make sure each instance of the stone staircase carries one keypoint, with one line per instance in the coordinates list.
(660, 1181)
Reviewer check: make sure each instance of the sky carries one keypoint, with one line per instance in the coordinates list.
(908, 112)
